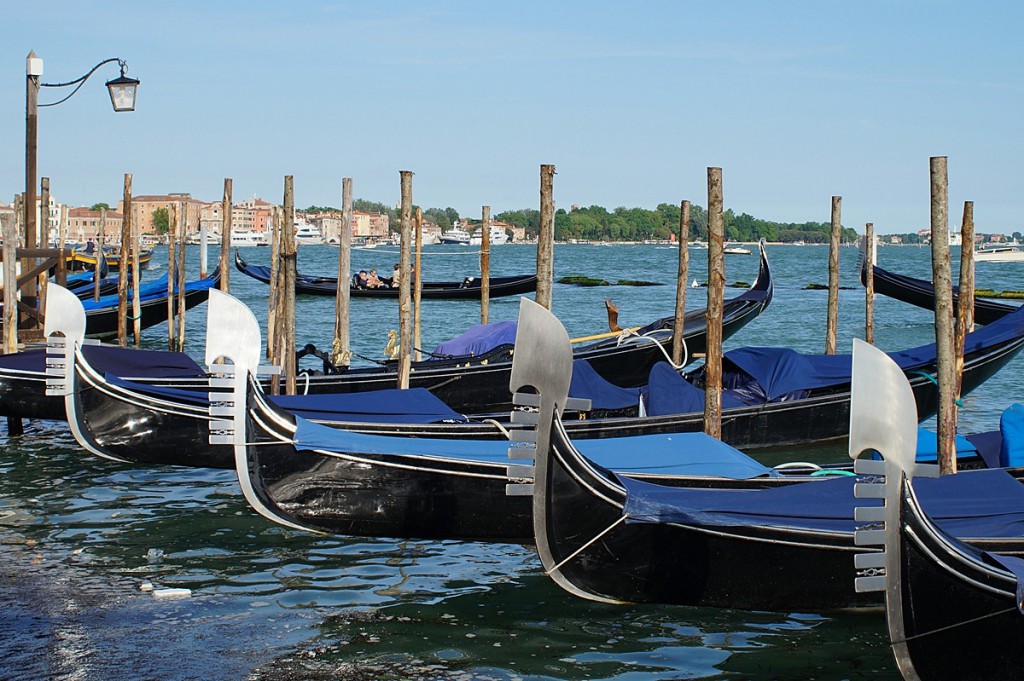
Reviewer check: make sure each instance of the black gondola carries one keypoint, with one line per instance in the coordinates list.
(467, 384)
(921, 293)
(613, 539)
(467, 289)
(953, 611)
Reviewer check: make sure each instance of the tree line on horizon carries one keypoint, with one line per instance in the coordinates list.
(596, 223)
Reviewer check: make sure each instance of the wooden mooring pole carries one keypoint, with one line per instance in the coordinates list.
(869, 283)
(715, 309)
(172, 265)
(273, 299)
(965, 304)
(341, 352)
(943, 284)
(225, 236)
(679, 323)
(417, 284)
(99, 255)
(9, 231)
(404, 289)
(122, 267)
(485, 264)
(9, 225)
(180, 272)
(288, 264)
(546, 238)
(42, 280)
(833, 277)
(136, 303)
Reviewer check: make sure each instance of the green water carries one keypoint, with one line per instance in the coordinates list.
(79, 535)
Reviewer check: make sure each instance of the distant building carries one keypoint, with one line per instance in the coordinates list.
(143, 207)
(84, 225)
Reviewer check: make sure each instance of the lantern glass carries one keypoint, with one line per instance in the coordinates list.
(122, 93)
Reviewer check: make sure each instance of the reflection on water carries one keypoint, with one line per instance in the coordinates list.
(79, 535)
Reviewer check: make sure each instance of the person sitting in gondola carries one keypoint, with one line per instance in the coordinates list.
(395, 275)
(360, 280)
(373, 281)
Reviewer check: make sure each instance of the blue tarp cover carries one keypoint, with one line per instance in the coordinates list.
(149, 291)
(928, 444)
(141, 363)
(415, 405)
(984, 503)
(687, 453)
(669, 393)
(588, 384)
(478, 340)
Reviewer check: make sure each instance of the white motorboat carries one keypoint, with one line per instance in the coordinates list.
(306, 233)
(245, 237)
(1010, 253)
(456, 235)
(498, 236)
(735, 250)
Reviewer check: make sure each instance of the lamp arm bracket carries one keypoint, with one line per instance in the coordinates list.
(81, 81)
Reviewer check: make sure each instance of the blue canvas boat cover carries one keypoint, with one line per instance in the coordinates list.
(679, 454)
(588, 384)
(983, 503)
(478, 340)
(1014, 565)
(415, 405)
(141, 363)
(669, 393)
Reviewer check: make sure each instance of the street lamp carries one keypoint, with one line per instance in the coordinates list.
(122, 96)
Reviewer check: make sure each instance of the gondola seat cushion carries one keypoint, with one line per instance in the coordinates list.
(1011, 426)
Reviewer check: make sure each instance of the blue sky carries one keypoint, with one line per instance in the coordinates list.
(796, 101)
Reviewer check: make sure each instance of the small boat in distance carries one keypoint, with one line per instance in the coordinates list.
(498, 236)
(735, 249)
(246, 237)
(306, 233)
(457, 236)
(1009, 253)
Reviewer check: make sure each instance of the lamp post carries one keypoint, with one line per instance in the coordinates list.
(122, 97)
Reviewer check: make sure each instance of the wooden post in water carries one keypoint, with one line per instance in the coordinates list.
(678, 326)
(965, 306)
(288, 263)
(9, 225)
(273, 300)
(417, 283)
(136, 303)
(341, 353)
(943, 280)
(62, 229)
(869, 283)
(42, 280)
(99, 255)
(9, 231)
(180, 272)
(404, 288)
(225, 237)
(715, 310)
(546, 238)
(203, 250)
(122, 267)
(172, 265)
(485, 265)
(832, 320)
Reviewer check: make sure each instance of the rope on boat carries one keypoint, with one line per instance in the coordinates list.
(497, 424)
(954, 626)
(934, 380)
(583, 548)
(632, 332)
